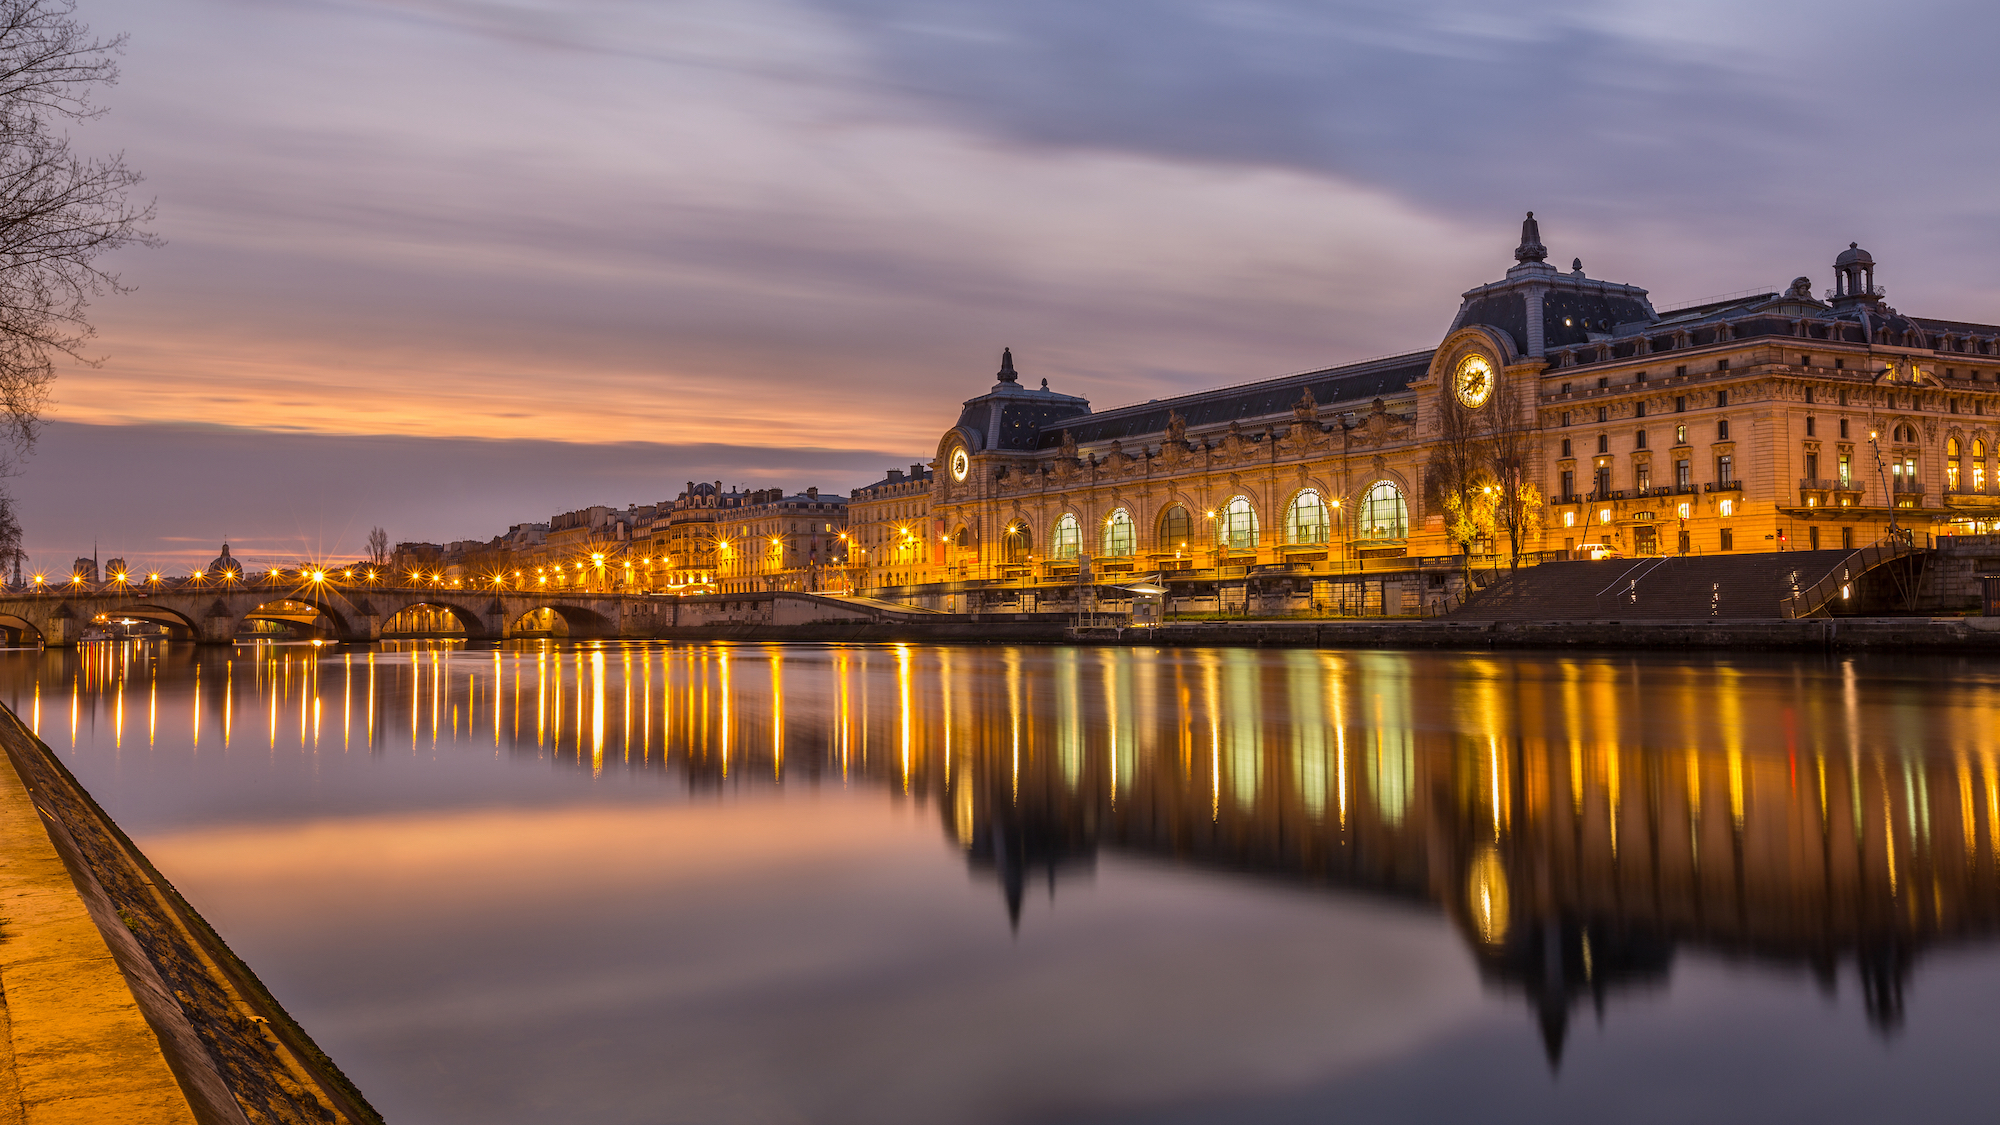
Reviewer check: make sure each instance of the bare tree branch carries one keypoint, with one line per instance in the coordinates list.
(59, 213)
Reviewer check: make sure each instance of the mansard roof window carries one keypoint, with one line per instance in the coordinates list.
(1681, 371)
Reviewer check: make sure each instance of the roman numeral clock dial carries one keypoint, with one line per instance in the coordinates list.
(1473, 382)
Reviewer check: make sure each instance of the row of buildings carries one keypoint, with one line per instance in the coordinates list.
(1561, 414)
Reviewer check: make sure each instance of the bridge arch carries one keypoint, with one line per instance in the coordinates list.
(422, 617)
(301, 612)
(555, 619)
(20, 630)
(179, 626)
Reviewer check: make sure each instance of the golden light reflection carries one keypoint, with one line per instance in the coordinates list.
(1481, 783)
(1486, 896)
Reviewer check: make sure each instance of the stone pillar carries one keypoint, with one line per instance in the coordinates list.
(61, 628)
(216, 629)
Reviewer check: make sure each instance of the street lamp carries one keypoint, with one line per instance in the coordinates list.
(1882, 474)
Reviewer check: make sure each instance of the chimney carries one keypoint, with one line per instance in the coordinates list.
(812, 493)
(917, 471)
(895, 475)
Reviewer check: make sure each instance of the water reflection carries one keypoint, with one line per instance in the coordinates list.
(1578, 821)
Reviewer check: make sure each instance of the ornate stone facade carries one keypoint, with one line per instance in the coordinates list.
(1740, 425)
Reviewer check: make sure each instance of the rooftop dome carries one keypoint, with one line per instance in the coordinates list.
(223, 564)
(1854, 255)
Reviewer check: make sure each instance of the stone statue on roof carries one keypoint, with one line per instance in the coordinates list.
(1176, 426)
(1069, 446)
(1306, 411)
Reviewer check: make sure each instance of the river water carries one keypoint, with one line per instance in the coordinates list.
(882, 884)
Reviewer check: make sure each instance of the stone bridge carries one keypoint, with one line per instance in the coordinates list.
(213, 615)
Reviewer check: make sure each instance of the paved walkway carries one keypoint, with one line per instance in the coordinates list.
(76, 1047)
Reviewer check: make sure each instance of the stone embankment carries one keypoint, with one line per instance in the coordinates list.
(118, 1003)
(1885, 634)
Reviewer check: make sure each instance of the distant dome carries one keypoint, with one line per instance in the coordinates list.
(223, 564)
(1854, 255)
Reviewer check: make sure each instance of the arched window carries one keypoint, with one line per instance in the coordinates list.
(1017, 542)
(1384, 515)
(1118, 533)
(1065, 542)
(1952, 464)
(1236, 525)
(1305, 518)
(1176, 529)
(1978, 464)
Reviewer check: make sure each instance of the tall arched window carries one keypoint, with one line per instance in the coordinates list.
(1978, 464)
(1952, 464)
(1064, 543)
(1236, 525)
(1118, 533)
(1384, 515)
(1305, 518)
(1017, 542)
(1176, 529)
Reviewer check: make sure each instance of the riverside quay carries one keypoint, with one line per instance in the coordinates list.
(1560, 417)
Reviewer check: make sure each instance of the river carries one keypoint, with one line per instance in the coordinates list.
(881, 884)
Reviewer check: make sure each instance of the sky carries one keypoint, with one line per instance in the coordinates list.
(445, 266)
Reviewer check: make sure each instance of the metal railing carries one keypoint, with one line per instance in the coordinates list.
(1809, 601)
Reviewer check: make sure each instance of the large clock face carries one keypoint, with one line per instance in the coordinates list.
(1473, 382)
(960, 464)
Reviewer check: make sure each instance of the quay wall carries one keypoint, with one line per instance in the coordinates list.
(1886, 634)
(121, 1003)
(1902, 634)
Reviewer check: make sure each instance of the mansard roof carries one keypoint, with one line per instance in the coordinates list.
(1349, 385)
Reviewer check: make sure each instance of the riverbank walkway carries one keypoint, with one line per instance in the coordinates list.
(118, 1004)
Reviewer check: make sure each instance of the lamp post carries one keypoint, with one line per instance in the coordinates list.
(1882, 474)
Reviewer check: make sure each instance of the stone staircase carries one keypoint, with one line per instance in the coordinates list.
(1736, 586)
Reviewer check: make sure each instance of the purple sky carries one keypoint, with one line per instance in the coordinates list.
(449, 265)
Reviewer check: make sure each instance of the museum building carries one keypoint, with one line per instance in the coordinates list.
(1774, 421)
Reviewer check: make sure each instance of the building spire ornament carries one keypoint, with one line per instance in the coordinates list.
(1007, 372)
(1531, 248)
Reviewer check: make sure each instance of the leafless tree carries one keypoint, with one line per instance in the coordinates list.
(59, 211)
(378, 546)
(1518, 511)
(1456, 477)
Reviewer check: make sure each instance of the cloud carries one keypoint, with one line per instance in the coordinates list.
(784, 224)
(166, 496)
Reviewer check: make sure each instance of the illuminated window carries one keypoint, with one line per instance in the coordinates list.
(1118, 537)
(1951, 464)
(1569, 519)
(1236, 525)
(1604, 515)
(1176, 529)
(1016, 543)
(1384, 515)
(1066, 539)
(1979, 465)
(1305, 518)
(1728, 507)
(1683, 511)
